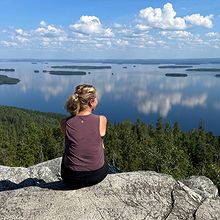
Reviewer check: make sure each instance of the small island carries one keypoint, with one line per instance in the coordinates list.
(8, 70)
(125, 67)
(67, 73)
(176, 74)
(204, 69)
(8, 80)
(81, 67)
(217, 75)
(174, 66)
(36, 71)
(44, 71)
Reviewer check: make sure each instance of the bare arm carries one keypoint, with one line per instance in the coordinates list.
(102, 125)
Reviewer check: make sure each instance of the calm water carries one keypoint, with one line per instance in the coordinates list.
(141, 91)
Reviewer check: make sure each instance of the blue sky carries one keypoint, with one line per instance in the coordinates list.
(109, 29)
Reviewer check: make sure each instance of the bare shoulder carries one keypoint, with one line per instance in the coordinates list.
(102, 126)
(103, 119)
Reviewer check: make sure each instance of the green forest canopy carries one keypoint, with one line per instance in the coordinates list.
(30, 137)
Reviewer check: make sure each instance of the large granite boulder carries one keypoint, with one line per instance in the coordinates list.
(37, 192)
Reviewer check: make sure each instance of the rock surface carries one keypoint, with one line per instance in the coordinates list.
(37, 192)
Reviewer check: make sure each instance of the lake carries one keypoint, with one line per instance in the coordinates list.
(131, 89)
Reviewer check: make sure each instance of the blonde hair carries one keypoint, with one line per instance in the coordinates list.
(80, 99)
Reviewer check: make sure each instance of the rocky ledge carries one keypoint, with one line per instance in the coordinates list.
(37, 192)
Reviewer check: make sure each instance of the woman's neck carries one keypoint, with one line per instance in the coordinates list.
(85, 112)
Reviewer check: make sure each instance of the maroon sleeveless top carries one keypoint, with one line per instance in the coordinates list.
(83, 143)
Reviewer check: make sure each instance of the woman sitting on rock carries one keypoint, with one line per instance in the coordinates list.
(83, 162)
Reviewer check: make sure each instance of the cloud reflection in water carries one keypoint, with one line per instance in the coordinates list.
(149, 91)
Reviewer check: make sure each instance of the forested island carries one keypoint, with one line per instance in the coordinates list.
(8, 80)
(174, 66)
(30, 137)
(60, 72)
(7, 70)
(81, 67)
(176, 74)
(204, 69)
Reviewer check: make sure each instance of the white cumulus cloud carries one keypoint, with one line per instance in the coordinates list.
(21, 36)
(49, 30)
(199, 20)
(49, 35)
(166, 18)
(142, 27)
(91, 25)
(121, 42)
(177, 34)
(212, 34)
(19, 31)
(43, 24)
(162, 18)
(9, 43)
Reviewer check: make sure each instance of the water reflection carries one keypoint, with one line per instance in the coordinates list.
(162, 102)
(52, 87)
(193, 101)
(158, 103)
(141, 91)
(216, 105)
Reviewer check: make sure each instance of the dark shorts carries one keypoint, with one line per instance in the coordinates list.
(79, 179)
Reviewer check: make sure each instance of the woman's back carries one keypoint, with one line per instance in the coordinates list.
(83, 143)
(83, 161)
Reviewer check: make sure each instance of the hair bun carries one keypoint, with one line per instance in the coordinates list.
(79, 100)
